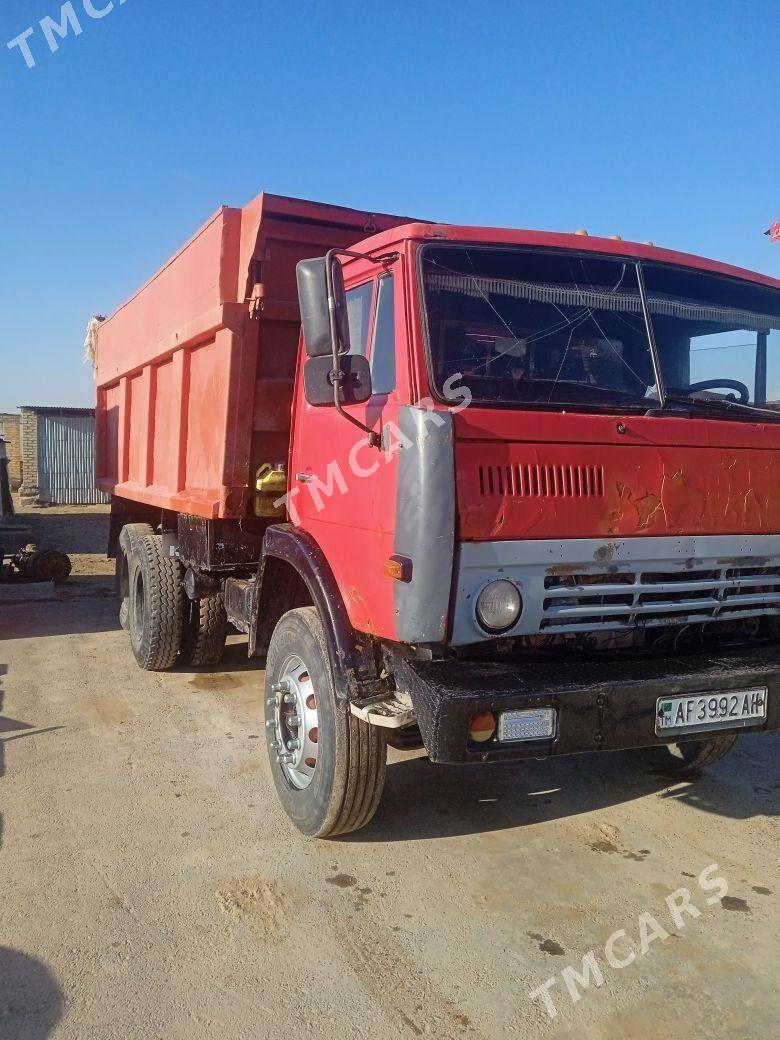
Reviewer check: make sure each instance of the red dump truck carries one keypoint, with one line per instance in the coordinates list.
(499, 494)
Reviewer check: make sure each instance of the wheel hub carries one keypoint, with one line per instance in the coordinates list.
(295, 723)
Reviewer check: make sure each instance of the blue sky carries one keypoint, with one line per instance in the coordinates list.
(657, 121)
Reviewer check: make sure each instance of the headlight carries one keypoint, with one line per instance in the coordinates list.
(498, 606)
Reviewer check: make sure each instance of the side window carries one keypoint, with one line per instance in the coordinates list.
(359, 315)
(383, 350)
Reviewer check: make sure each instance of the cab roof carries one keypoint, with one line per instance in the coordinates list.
(424, 232)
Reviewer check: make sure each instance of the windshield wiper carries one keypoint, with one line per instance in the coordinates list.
(721, 402)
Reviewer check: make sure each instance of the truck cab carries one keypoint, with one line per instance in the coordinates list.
(584, 419)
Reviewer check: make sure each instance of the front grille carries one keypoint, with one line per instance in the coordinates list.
(602, 601)
(528, 480)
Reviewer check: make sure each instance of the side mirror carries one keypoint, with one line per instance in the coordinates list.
(331, 374)
(313, 296)
(355, 386)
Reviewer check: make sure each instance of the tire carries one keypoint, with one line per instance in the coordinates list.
(341, 791)
(128, 538)
(156, 605)
(205, 631)
(690, 755)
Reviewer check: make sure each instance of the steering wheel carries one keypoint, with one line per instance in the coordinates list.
(713, 384)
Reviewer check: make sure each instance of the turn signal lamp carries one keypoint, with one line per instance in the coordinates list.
(399, 568)
(483, 726)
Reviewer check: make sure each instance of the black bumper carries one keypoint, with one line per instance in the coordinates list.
(602, 705)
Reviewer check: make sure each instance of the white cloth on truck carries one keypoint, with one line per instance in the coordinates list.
(90, 343)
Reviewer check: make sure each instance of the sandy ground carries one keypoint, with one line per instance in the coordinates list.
(150, 887)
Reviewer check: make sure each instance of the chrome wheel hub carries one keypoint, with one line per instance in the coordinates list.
(294, 728)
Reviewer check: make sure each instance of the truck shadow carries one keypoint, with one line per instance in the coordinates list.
(31, 1001)
(235, 660)
(68, 531)
(426, 801)
(88, 607)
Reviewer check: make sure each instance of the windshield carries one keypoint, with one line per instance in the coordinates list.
(716, 338)
(543, 328)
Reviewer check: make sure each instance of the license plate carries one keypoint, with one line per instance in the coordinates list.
(706, 711)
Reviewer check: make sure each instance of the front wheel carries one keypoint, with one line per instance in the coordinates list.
(328, 766)
(691, 755)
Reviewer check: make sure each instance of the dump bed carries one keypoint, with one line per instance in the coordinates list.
(195, 371)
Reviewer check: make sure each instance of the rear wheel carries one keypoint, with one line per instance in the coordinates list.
(691, 755)
(328, 766)
(156, 605)
(129, 536)
(205, 631)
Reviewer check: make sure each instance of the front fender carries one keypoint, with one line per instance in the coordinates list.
(353, 656)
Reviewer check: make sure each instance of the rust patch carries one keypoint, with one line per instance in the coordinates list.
(357, 598)
(564, 570)
(605, 552)
(691, 562)
(744, 561)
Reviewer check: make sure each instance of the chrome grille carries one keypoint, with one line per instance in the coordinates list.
(600, 601)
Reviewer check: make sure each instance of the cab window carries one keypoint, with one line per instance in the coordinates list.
(359, 316)
(383, 347)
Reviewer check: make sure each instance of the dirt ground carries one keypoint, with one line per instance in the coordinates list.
(151, 888)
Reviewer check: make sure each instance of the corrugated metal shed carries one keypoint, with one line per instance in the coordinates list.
(55, 409)
(66, 457)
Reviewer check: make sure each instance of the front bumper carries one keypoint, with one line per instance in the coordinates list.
(602, 705)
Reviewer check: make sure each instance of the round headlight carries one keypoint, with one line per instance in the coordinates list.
(498, 606)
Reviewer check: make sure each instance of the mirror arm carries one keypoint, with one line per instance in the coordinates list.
(374, 438)
(384, 259)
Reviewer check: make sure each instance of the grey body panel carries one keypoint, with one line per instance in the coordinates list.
(631, 582)
(425, 524)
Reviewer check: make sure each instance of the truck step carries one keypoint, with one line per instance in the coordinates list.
(389, 714)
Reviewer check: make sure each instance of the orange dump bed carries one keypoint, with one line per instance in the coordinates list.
(195, 372)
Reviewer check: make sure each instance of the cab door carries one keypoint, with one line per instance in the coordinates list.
(344, 489)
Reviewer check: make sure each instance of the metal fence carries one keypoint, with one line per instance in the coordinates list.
(66, 460)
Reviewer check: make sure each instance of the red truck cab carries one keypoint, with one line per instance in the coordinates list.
(529, 505)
